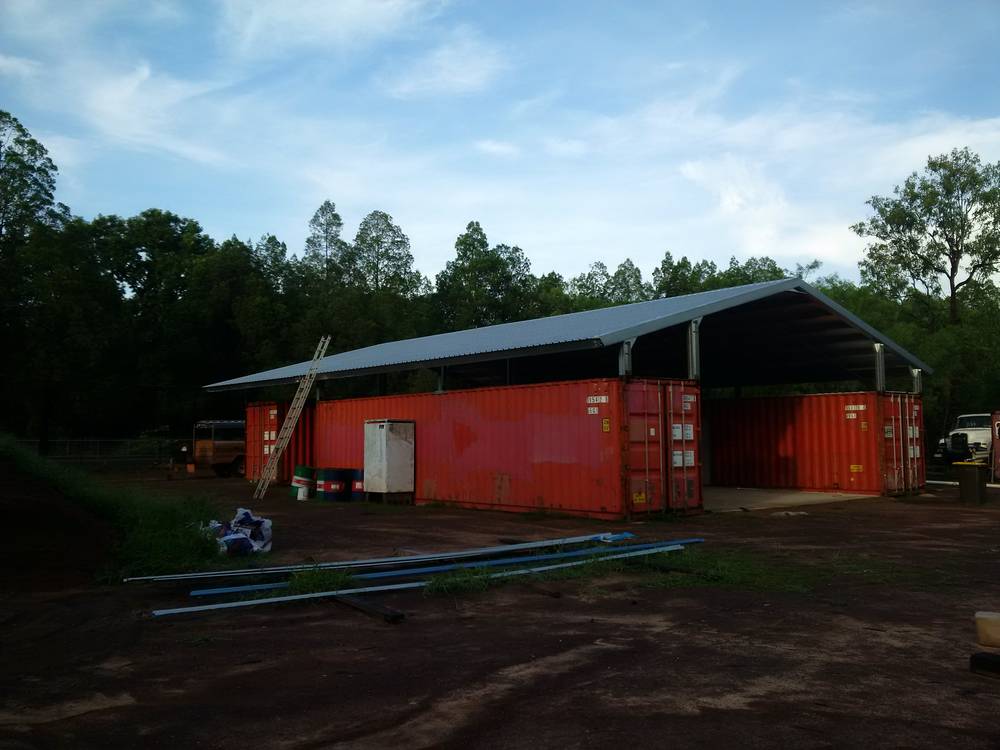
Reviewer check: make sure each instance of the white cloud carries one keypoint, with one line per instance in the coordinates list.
(268, 28)
(147, 110)
(18, 67)
(464, 64)
(497, 148)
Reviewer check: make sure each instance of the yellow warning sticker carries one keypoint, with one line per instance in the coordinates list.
(638, 498)
(606, 425)
(857, 468)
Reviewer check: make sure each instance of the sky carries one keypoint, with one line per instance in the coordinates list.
(578, 131)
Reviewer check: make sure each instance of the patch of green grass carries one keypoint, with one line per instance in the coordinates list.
(313, 581)
(877, 570)
(462, 581)
(731, 569)
(154, 534)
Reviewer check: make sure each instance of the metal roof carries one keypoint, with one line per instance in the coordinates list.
(574, 331)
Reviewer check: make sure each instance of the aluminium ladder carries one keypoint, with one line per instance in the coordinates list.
(291, 419)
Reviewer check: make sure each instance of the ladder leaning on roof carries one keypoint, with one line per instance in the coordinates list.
(291, 419)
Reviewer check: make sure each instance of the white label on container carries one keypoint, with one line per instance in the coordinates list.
(273, 433)
(652, 432)
(676, 432)
(678, 458)
(855, 407)
(689, 432)
(592, 410)
(265, 435)
(851, 415)
(267, 450)
(688, 399)
(914, 432)
(687, 406)
(273, 414)
(889, 431)
(689, 458)
(597, 399)
(914, 451)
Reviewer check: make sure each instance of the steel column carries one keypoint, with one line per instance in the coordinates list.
(879, 366)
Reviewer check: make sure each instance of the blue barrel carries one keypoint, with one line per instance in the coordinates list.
(357, 478)
(330, 484)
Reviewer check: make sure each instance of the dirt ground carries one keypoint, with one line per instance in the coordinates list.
(577, 663)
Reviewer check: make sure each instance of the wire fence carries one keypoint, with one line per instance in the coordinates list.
(137, 450)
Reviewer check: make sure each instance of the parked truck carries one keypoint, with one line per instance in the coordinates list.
(971, 439)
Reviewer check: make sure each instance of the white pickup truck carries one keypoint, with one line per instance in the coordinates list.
(971, 438)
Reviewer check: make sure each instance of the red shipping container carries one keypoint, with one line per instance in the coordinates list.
(263, 423)
(576, 447)
(863, 443)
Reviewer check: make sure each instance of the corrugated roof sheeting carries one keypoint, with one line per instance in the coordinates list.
(589, 329)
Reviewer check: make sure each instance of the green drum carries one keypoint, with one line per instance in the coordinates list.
(304, 482)
(330, 484)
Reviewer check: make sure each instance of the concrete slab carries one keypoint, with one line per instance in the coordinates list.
(727, 499)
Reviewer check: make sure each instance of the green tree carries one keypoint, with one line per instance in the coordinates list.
(482, 285)
(590, 289)
(939, 231)
(380, 259)
(674, 278)
(626, 285)
(324, 247)
(549, 296)
(27, 183)
(751, 271)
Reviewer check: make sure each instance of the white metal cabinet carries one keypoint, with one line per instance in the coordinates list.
(389, 462)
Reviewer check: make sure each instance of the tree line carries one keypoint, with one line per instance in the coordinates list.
(110, 326)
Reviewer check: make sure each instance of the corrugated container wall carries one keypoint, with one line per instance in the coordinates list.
(575, 447)
(848, 442)
(263, 424)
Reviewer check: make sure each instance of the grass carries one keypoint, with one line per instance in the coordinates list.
(313, 581)
(153, 534)
(462, 581)
(697, 566)
(730, 569)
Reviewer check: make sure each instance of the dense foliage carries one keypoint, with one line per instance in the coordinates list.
(110, 327)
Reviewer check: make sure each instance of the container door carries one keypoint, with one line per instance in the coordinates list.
(644, 480)
(916, 476)
(893, 444)
(261, 431)
(902, 443)
(683, 430)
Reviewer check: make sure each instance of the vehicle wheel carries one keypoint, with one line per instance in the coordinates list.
(240, 466)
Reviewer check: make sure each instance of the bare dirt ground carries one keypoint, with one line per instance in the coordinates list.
(578, 663)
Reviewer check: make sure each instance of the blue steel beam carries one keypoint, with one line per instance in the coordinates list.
(597, 552)
(396, 586)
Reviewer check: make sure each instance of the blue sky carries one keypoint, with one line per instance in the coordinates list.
(579, 131)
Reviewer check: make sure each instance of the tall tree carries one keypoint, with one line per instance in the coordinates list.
(626, 285)
(27, 182)
(381, 259)
(590, 289)
(751, 271)
(939, 231)
(674, 278)
(483, 285)
(324, 247)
